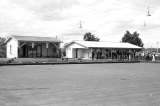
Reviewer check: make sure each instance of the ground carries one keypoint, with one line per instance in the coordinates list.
(123, 84)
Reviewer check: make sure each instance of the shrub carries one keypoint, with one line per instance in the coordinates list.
(2, 53)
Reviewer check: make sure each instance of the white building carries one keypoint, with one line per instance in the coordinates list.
(83, 49)
(31, 47)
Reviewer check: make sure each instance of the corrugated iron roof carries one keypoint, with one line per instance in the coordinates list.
(95, 44)
(35, 38)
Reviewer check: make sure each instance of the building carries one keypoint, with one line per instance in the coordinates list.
(32, 47)
(94, 49)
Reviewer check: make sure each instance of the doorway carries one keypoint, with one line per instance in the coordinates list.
(25, 51)
(76, 53)
(39, 51)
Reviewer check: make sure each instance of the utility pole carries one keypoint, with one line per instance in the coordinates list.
(157, 46)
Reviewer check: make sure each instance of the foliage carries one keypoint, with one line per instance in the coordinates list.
(2, 48)
(89, 37)
(132, 38)
(63, 52)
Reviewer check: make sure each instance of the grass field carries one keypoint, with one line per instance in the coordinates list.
(135, 84)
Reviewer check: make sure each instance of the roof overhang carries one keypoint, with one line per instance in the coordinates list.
(75, 43)
(90, 44)
(38, 41)
(11, 37)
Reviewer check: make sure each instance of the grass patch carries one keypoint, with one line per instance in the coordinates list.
(81, 84)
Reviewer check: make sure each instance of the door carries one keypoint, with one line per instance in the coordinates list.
(76, 53)
(24, 51)
(39, 51)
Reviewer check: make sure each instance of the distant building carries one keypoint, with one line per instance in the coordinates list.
(84, 49)
(151, 50)
(32, 47)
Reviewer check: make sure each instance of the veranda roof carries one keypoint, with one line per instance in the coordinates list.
(35, 39)
(95, 44)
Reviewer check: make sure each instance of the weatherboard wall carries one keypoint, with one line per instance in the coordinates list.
(12, 49)
(71, 50)
(78, 51)
(51, 51)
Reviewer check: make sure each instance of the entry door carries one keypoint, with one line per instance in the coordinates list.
(25, 51)
(76, 53)
(39, 50)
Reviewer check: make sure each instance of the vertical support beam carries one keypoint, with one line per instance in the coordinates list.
(108, 52)
(47, 52)
(117, 54)
(33, 44)
(28, 51)
(47, 45)
(36, 53)
(111, 53)
(18, 43)
(32, 48)
(129, 54)
(122, 54)
(66, 51)
(58, 50)
(88, 52)
(157, 47)
(32, 53)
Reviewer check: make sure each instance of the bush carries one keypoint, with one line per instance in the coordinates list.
(63, 52)
(2, 48)
(3, 62)
(2, 53)
(157, 57)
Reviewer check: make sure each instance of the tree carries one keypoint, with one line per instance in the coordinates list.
(2, 48)
(89, 37)
(132, 38)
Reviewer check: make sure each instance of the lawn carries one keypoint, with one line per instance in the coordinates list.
(134, 84)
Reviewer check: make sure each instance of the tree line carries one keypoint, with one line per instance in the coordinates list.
(2, 48)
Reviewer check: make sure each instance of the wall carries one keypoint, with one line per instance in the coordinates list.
(14, 49)
(74, 53)
(51, 48)
(71, 52)
(80, 53)
(85, 53)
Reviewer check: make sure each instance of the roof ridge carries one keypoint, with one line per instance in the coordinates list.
(35, 38)
(101, 41)
(31, 36)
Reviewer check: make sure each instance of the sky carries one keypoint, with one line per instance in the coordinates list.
(107, 19)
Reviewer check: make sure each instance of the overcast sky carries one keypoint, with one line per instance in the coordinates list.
(107, 19)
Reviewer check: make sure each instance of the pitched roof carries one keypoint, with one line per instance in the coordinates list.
(35, 38)
(95, 44)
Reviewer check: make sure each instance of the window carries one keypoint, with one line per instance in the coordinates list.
(10, 49)
(54, 50)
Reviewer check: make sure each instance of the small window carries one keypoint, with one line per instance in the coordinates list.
(11, 49)
(54, 50)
